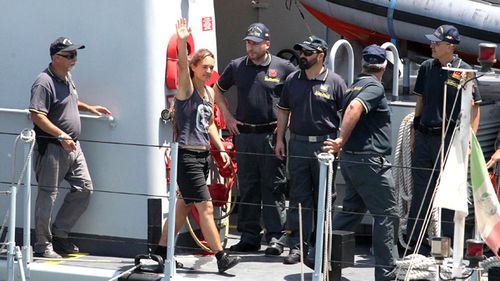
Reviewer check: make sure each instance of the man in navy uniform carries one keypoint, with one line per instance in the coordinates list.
(364, 144)
(259, 78)
(428, 122)
(311, 99)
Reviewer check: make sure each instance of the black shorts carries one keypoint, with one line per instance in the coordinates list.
(192, 173)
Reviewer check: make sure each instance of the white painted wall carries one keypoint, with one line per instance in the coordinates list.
(123, 68)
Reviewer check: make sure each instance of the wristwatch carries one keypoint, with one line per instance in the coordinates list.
(61, 137)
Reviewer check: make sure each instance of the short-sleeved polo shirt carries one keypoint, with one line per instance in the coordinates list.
(429, 85)
(258, 87)
(314, 104)
(58, 100)
(372, 132)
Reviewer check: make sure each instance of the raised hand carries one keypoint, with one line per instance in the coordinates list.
(182, 30)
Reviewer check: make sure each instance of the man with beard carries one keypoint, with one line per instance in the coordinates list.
(54, 110)
(311, 99)
(259, 78)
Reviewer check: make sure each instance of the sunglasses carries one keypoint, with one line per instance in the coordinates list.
(307, 53)
(69, 56)
(439, 43)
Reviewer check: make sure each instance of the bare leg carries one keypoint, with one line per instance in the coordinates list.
(207, 225)
(181, 212)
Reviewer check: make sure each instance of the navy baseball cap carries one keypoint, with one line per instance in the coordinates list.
(63, 44)
(313, 43)
(374, 54)
(447, 33)
(257, 32)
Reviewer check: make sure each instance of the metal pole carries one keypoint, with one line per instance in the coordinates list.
(406, 77)
(395, 69)
(29, 138)
(350, 58)
(324, 159)
(11, 250)
(301, 239)
(169, 263)
(19, 257)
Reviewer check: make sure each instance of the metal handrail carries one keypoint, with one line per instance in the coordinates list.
(395, 70)
(23, 260)
(108, 118)
(169, 269)
(325, 159)
(350, 58)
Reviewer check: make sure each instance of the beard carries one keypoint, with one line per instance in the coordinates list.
(305, 64)
(256, 56)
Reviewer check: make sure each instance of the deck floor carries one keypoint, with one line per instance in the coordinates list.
(254, 266)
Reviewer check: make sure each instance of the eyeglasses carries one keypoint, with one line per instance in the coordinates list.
(307, 53)
(69, 56)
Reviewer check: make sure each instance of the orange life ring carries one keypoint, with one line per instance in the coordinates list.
(172, 58)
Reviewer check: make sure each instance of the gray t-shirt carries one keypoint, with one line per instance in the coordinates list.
(58, 100)
(192, 118)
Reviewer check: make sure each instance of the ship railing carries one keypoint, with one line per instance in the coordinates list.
(350, 62)
(350, 58)
(109, 118)
(395, 70)
(14, 253)
(169, 269)
(323, 219)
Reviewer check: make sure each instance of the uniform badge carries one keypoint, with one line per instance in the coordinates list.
(323, 88)
(457, 75)
(323, 92)
(273, 73)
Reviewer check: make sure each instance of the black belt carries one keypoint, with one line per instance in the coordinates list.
(202, 148)
(257, 128)
(311, 138)
(434, 131)
(360, 152)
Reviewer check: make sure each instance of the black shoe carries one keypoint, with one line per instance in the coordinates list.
(64, 246)
(162, 252)
(226, 262)
(49, 253)
(275, 248)
(309, 260)
(244, 247)
(293, 257)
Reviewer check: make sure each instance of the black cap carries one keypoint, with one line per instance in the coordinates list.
(447, 33)
(257, 32)
(374, 54)
(63, 44)
(313, 43)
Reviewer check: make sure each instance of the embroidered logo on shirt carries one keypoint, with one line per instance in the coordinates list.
(323, 92)
(355, 88)
(272, 76)
(452, 82)
(457, 75)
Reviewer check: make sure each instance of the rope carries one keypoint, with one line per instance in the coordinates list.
(489, 263)
(417, 267)
(402, 177)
